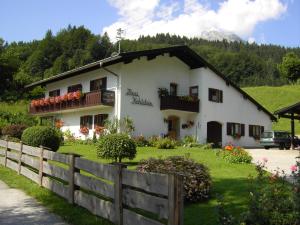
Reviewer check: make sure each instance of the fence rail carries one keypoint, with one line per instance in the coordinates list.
(111, 191)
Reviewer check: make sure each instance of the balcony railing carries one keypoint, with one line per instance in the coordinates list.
(183, 103)
(89, 99)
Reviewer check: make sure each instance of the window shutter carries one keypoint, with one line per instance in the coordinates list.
(81, 121)
(229, 128)
(242, 129)
(250, 130)
(209, 94)
(221, 96)
(90, 122)
(262, 128)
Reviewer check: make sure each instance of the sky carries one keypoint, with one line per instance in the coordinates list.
(260, 21)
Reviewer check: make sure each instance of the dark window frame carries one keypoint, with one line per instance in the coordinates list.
(191, 93)
(255, 130)
(173, 92)
(235, 128)
(99, 119)
(103, 86)
(215, 95)
(75, 87)
(54, 93)
(86, 121)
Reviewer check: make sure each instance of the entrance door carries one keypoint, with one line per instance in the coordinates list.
(173, 127)
(214, 133)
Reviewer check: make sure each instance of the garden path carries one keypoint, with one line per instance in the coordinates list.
(18, 208)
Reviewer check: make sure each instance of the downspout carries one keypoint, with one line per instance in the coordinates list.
(117, 89)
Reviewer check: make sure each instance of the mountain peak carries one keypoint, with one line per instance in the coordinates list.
(215, 35)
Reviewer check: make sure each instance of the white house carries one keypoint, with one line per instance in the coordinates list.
(200, 101)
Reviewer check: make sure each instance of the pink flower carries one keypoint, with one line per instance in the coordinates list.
(265, 160)
(294, 168)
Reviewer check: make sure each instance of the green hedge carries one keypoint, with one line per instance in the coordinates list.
(41, 135)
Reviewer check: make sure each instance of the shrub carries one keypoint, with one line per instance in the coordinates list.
(15, 130)
(141, 141)
(40, 135)
(234, 154)
(165, 143)
(191, 141)
(153, 140)
(116, 147)
(196, 177)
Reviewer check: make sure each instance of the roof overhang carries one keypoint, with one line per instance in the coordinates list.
(292, 111)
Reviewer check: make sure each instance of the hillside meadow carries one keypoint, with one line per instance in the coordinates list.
(274, 98)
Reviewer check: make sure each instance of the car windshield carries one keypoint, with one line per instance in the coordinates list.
(281, 135)
(267, 135)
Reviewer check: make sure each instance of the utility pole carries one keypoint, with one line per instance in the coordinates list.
(119, 37)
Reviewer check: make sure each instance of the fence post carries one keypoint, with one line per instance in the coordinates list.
(175, 199)
(20, 158)
(6, 149)
(118, 198)
(72, 171)
(41, 166)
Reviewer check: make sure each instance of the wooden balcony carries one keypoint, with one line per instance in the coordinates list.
(181, 103)
(90, 99)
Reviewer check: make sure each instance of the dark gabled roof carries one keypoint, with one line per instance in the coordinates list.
(287, 112)
(184, 53)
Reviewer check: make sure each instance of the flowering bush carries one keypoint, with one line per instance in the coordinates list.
(196, 178)
(165, 143)
(84, 130)
(141, 141)
(272, 201)
(235, 154)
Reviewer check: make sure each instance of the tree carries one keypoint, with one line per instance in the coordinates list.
(290, 67)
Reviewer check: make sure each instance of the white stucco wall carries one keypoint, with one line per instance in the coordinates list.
(145, 77)
(234, 108)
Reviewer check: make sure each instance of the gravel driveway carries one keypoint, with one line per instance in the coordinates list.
(277, 159)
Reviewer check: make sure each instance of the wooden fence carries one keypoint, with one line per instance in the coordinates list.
(110, 191)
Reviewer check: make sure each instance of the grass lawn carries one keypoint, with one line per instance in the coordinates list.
(229, 180)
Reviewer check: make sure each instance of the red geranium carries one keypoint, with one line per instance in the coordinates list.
(64, 97)
(84, 130)
(99, 130)
(52, 100)
(77, 95)
(41, 102)
(57, 99)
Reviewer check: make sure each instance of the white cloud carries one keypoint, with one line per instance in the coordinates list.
(140, 17)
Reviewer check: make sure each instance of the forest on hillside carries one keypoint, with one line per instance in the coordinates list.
(22, 63)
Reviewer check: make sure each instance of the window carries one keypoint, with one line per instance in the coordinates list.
(76, 87)
(100, 119)
(173, 89)
(235, 128)
(215, 95)
(255, 130)
(54, 93)
(86, 121)
(194, 91)
(99, 84)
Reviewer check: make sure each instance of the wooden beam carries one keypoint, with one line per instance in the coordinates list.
(289, 117)
(292, 131)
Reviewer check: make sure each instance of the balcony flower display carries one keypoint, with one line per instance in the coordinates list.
(64, 97)
(41, 102)
(84, 130)
(57, 99)
(52, 100)
(77, 95)
(71, 96)
(47, 101)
